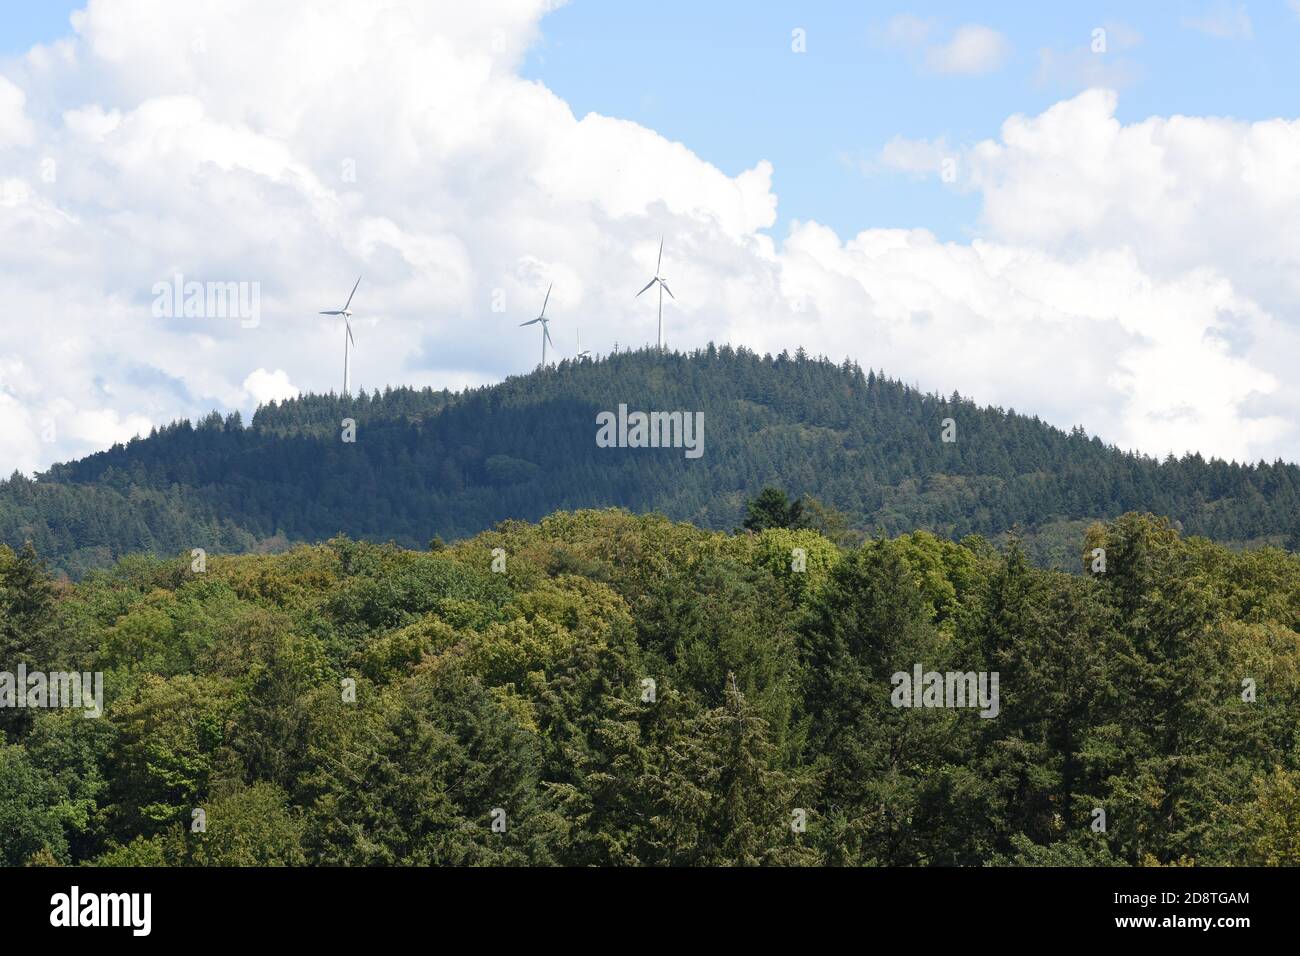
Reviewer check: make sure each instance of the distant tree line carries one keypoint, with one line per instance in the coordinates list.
(429, 462)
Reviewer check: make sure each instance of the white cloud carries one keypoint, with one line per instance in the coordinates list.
(1205, 204)
(266, 387)
(15, 128)
(1091, 338)
(973, 49)
(1184, 191)
(1224, 20)
(1132, 278)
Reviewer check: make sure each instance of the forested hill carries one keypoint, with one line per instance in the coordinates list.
(430, 463)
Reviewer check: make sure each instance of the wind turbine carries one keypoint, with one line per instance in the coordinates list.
(582, 353)
(663, 287)
(346, 312)
(546, 334)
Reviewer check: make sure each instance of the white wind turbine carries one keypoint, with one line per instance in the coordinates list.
(546, 334)
(582, 353)
(663, 287)
(346, 312)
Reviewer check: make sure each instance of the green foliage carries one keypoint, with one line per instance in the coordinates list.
(29, 820)
(251, 827)
(800, 559)
(772, 509)
(166, 850)
(26, 601)
(1265, 830)
(169, 734)
(636, 691)
(415, 778)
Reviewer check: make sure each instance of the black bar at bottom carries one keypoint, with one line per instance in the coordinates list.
(338, 905)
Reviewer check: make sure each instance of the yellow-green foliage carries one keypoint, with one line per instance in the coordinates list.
(388, 655)
(1265, 831)
(774, 549)
(579, 604)
(507, 653)
(251, 827)
(945, 572)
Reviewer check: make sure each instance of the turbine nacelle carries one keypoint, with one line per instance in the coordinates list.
(545, 326)
(346, 311)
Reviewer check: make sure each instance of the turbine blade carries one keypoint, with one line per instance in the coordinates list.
(657, 264)
(331, 313)
(547, 299)
(546, 332)
(530, 322)
(352, 293)
(666, 289)
(647, 285)
(348, 326)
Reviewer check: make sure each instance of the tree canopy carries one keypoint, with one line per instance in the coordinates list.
(601, 688)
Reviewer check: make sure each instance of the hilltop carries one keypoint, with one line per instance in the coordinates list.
(429, 463)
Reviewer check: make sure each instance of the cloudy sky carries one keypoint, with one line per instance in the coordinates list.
(1085, 212)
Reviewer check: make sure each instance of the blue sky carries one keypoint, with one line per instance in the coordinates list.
(722, 79)
(24, 22)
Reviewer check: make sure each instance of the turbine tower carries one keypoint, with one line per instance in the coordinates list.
(663, 287)
(346, 312)
(546, 335)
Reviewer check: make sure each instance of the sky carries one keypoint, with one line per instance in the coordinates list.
(1084, 211)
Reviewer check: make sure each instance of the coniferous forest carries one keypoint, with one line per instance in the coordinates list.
(611, 689)
(426, 463)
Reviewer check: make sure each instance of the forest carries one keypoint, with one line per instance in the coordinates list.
(606, 688)
(428, 464)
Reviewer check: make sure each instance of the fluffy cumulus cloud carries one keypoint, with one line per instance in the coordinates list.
(266, 387)
(1136, 279)
(15, 128)
(1204, 208)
